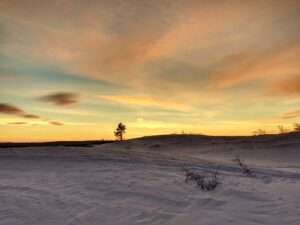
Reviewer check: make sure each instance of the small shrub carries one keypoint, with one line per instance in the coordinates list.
(205, 182)
(248, 171)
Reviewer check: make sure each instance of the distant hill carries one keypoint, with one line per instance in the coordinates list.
(54, 143)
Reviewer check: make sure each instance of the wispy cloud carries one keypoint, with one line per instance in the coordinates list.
(286, 86)
(290, 115)
(61, 98)
(10, 109)
(56, 123)
(68, 111)
(279, 62)
(116, 42)
(31, 116)
(17, 123)
(146, 101)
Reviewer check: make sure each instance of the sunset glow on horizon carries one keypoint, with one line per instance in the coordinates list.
(72, 70)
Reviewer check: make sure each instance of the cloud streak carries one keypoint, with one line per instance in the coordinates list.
(31, 116)
(279, 62)
(17, 123)
(286, 86)
(61, 98)
(290, 115)
(10, 109)
(56, 123)
(146, 101)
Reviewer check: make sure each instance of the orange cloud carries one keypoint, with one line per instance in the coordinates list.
(278, 62)
(290, 115)
(146, 101)
(56, 123)
(287, 86)
(115, 42)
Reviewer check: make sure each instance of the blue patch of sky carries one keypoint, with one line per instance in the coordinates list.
(47, 75)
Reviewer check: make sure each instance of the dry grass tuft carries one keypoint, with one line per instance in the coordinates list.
(206, 182)
(248, 171)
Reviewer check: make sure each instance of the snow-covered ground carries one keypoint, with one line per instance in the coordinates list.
(142, 182)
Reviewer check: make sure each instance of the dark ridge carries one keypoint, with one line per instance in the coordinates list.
(54, 143)
(259, 138)
(176, 138)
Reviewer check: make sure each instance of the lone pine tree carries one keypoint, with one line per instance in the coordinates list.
(120, 130)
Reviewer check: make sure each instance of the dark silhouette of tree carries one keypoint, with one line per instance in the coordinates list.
(297, 127)
(282, 129)
(259, 132)
(120, 131)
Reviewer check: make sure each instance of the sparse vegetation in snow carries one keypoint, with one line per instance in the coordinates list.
(248, 171)
(207, 182)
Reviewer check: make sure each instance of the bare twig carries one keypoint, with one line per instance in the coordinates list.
(248, 171)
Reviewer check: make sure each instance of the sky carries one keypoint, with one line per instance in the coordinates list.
(72, 70)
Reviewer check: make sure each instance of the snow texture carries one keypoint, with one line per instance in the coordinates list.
(142, 181)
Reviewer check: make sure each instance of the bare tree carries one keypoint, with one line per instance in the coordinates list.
(282, 129)
(259, 132)
(120, 130)
(297, 127)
